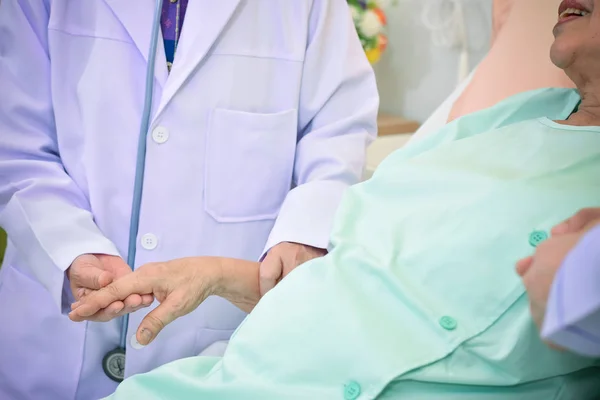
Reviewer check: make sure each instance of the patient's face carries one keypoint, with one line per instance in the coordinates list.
(576, 48)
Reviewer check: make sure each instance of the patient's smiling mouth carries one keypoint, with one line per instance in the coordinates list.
(572, 9)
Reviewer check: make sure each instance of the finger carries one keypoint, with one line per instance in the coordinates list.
(156, 320)
(561, 229)
(108, 315)
(577, 222)
(271, 271)
(524, 265)
(81, 293)
(116, 265)
(90, 277)
(133, 301)
(303, 258)
(114, 310)
(289, 265)
(119, 290)
(147, 299)
(130, 310)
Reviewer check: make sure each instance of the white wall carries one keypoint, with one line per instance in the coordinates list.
(415, 76)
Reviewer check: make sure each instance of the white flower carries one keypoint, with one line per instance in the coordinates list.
(370, 25)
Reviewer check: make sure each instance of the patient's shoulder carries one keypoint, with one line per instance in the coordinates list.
(553, 103)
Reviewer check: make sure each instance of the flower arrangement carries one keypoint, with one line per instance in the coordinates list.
(370, 19)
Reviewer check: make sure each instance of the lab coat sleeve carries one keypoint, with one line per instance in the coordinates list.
(45, 214)
(573, 312)
(337, 121)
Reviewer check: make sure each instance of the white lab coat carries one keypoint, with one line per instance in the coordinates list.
(264, 96)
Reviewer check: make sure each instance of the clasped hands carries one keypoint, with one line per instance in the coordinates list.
(91, 272)
(105, 288)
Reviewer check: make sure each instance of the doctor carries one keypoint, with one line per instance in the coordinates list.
(259, 113)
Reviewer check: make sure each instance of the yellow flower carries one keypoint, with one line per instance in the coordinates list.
(373, 55)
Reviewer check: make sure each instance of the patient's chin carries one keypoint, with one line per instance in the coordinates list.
(562, 53)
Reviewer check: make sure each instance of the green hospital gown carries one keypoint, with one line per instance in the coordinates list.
(418, 297)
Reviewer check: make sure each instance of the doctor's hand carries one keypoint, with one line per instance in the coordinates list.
(584, 219)
(281, 260)
(90, 272)
(538, 271)
(179, 285)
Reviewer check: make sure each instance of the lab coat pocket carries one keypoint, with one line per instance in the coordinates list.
(250, 162)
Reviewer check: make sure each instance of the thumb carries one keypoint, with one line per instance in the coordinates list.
(167, 312)
(115, 264)
(87, 272)
(271, 270)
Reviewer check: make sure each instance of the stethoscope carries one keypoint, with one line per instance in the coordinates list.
(114, 361)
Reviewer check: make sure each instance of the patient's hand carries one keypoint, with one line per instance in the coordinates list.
(180, 286)
(538, 271)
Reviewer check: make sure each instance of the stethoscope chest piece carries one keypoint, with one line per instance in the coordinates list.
(114, 364)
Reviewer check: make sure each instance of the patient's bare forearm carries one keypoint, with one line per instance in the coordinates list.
(239, 283)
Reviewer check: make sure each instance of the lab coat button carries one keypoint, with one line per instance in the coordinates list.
(537, 237)
(351, 391)
(149, 241)
(134, 343)
(448, 323)
(160, 135)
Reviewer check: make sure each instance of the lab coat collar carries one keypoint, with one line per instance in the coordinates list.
(205, 20)
(137, 18)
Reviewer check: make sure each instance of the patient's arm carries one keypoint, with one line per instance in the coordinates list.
(180, 286)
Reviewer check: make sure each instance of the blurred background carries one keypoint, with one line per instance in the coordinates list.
(419, 69)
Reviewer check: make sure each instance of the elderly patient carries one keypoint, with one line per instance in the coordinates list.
(418, 297)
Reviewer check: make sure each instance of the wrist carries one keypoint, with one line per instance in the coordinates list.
(237, 281)
(220, 278)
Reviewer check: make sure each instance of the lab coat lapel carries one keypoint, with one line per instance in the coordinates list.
(205, 20)
(137, 17)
